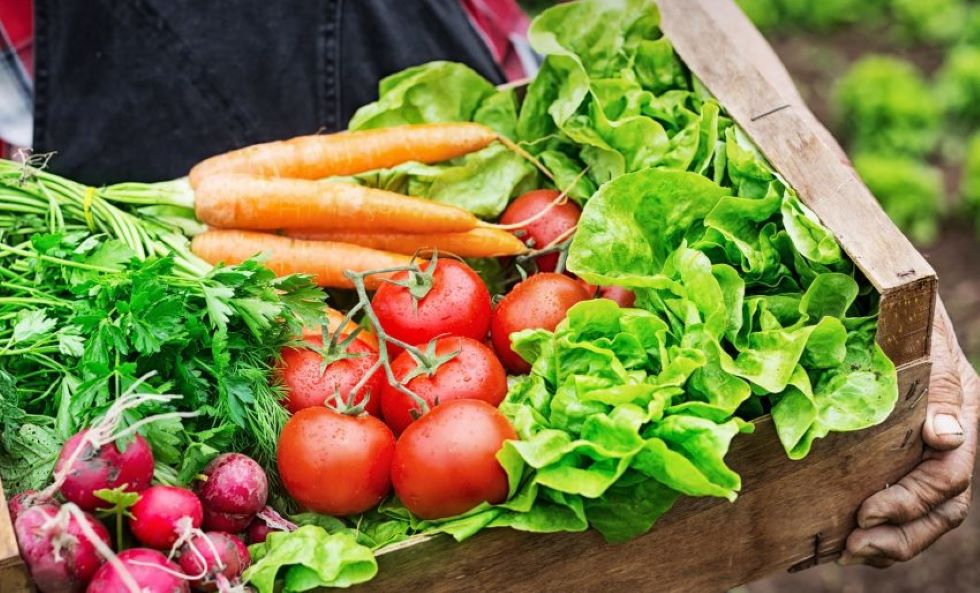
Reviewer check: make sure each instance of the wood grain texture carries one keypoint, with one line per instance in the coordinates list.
(790, 515)
(724, 50)
(13, 574)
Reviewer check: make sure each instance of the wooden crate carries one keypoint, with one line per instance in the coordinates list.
(791, 515)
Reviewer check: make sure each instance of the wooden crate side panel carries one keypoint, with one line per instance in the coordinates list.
(13, 575)
(722, 48)
(905, 320)
(790, 515)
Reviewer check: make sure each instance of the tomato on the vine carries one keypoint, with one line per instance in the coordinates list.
(333, 319)
(309, 383)
(456, 303)
(445, 462)
(539, 302)
(333, 463)
(473, 373)
(559, 221)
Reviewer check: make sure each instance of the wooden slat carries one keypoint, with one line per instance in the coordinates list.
(13, 576)
(724, 50)
(791, 514)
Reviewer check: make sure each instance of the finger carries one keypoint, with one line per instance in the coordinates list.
(943, 429)
(883, 544)
(937, 479)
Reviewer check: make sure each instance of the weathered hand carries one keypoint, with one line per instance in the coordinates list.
(901, 521)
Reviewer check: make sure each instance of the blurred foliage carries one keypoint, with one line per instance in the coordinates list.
(934, 22)
(959, 85)
(970, 184)
(889, 115)
(885, 106)
(813, 15)
(910, 191)
(929, 21)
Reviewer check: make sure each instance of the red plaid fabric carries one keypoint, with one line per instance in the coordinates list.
(501, 23)
(16, 70)
(503, 26)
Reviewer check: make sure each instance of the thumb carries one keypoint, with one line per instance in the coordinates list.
(943, 429)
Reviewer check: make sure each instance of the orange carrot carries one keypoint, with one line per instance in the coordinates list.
(347, 153)
(324, 260)
(479, 242)
(333, 319)
(239, 201)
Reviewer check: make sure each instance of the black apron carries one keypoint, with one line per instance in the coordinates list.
(143, 89)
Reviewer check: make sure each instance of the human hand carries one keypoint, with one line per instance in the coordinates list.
(904, 519)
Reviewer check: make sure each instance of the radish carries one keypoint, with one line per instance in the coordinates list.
(265, 522)
(258, 531)
(156, 517)
(58, 552)
(208, 557)
(19, 503)
(92, 460)
(103, 467)
(234, 489)
(150, 571)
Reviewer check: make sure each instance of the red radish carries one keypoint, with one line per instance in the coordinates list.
(150, 570)
(19, 503)
(258, 531)
(235, 488)
(542, 230)
(267, 521)
(107, 467)
(227, 522)
(59, 555)
(156, 516)
(243, 553)
(210, 554)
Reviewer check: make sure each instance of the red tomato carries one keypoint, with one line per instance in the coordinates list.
(335, 464)
(334, 318)
(458, 304)
(540, 302)
(623, 297)
(308, 384)
(546, 229)
(474, 373)
(446, 462)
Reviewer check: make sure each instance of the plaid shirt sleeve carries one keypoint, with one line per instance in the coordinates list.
(16, 84)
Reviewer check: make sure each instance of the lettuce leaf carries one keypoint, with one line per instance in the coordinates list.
(308, 558)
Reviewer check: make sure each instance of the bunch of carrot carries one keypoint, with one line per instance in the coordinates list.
(326, 227)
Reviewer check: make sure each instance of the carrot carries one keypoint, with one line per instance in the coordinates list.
(479, 242)
(333, 320)
(324, 260)
(347, 153)
(246, 202)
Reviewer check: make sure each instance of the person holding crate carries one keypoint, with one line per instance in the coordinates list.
(895, 524)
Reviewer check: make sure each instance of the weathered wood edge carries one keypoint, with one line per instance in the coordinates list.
(13, 573)
(714, 38)
(789, 516)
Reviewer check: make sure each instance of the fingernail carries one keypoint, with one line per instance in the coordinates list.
(946, 424)
(870, 521)
(848, 559)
